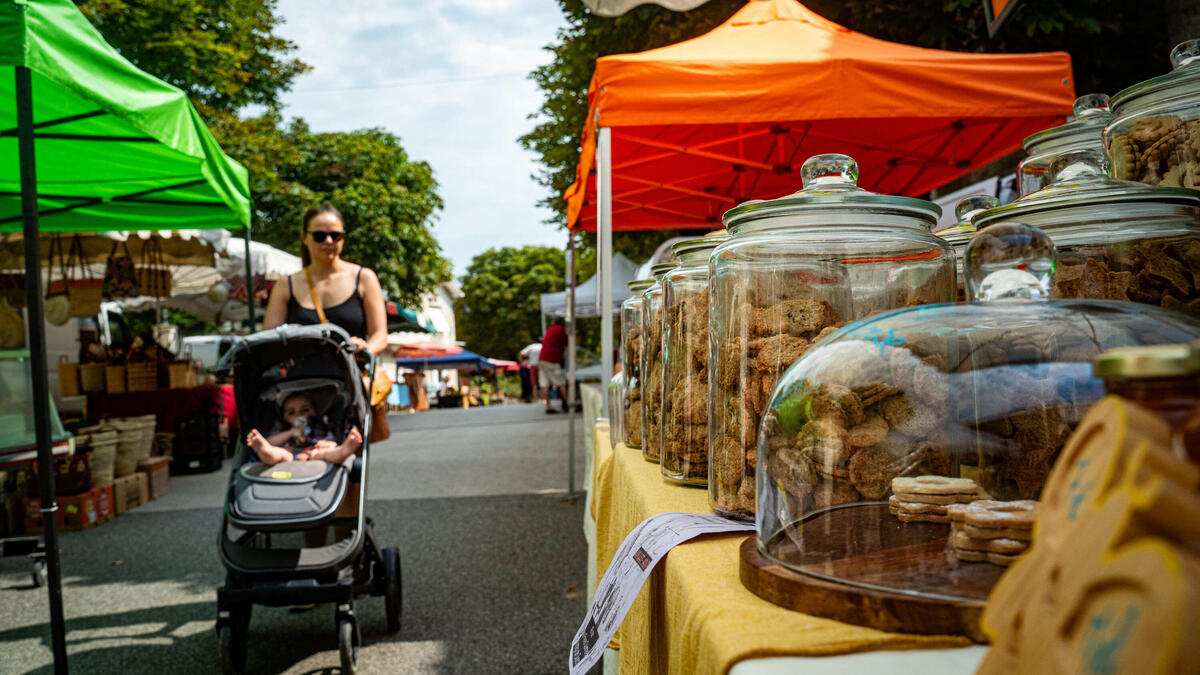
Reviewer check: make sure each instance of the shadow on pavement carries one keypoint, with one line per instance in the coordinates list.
(490, 584)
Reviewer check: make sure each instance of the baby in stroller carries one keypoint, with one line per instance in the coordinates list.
(305, 436)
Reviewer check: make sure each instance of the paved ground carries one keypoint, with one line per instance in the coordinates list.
(493, 555)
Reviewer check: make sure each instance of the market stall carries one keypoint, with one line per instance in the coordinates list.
(91, 143)
(680, 134)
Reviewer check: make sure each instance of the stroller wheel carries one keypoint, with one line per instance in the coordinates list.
(348, 641)
(392, 589)
(233, 649)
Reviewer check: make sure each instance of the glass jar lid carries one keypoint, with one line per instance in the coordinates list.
(1091, 115)
(830, 183)
(688, 249)
(964, 211)
(639, 285)
(1182, 80)
(1150, 361)
(1080, 178)
(657, 271)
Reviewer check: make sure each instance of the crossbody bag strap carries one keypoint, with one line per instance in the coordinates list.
(313, 290)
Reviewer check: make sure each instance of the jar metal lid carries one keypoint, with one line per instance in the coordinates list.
(1184, 78)
(1151, 361)
(687, 246)
(638, 285)
(1091, 115)
(830, 182)
(1080, 178)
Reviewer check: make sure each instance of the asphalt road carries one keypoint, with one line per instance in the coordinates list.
(493, 566)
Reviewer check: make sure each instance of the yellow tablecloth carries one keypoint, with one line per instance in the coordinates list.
(693, 615)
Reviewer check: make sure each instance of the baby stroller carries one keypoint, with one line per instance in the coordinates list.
(278, 502)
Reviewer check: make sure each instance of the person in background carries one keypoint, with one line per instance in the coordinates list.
(532, 351)
(526, 382)
(550, 363)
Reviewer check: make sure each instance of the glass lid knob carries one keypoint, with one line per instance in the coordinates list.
(1090, 104)
(1009, 261)
(1078, 165)
(967, 207)
(1186, 55)
(829, 173)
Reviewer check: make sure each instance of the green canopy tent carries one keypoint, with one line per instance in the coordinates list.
(89, 142)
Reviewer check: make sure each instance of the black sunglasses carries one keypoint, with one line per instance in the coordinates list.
(320, 236)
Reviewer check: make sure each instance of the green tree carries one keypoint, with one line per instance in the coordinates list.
(226, 56)
(500, 311)
(223, 53)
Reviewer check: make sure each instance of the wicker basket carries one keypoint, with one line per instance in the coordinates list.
(141, 376)
(181, 375)
(68, 377)
(101, 441)
(146, 423)
(129, 441)
(91, 377)
(114, 379)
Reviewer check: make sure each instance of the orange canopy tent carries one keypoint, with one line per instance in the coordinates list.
(680, 134)
(700, 126)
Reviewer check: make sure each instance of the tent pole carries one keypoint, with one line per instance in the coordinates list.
(570, 394)
(249, 282)
(604, 259)
(37, 359)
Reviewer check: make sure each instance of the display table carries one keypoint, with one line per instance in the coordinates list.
(694, 616)
(167, 404)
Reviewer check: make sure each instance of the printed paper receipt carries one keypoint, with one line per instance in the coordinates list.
(629, 569)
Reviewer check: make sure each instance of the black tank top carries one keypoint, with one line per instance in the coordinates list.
(350, 315)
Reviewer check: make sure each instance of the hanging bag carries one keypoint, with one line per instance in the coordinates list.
(153, 276)
(380, 429)
(83, 293)
(120, 276)
(57, 306)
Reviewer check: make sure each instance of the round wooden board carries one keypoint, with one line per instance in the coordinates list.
(893, 612)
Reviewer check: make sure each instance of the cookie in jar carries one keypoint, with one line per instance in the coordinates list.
(631, 361)
(793, 271)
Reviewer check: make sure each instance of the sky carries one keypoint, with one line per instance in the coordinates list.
(449, 78)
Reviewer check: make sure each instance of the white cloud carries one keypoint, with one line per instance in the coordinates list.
(448, 77)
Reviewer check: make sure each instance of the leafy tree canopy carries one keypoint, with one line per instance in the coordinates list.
(500, 311)
(225, 55)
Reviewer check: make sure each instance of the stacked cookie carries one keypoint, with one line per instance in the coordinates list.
(928, 498)
(992, 531)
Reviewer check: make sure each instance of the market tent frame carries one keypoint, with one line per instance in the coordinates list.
(88, 142)
(678, 135)
(463, 360)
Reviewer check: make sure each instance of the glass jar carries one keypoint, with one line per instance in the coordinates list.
(685, 363)
(958, 234)
(1154, 136)
(631, 361)
(616, 407)
(1164, 379)
(987, 390)
(793, 270)
(1085, 132)
(1117, 240)
(652, 392)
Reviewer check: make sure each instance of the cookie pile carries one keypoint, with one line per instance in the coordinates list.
(992, 531)
(1162, 150)
(652, 372)
(685, 386)
(632, 356)
(929, 498)
(1153, 272)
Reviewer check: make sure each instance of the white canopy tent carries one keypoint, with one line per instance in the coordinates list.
(587, 294)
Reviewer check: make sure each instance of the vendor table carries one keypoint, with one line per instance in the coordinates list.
(694, 616)
(168, 404)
